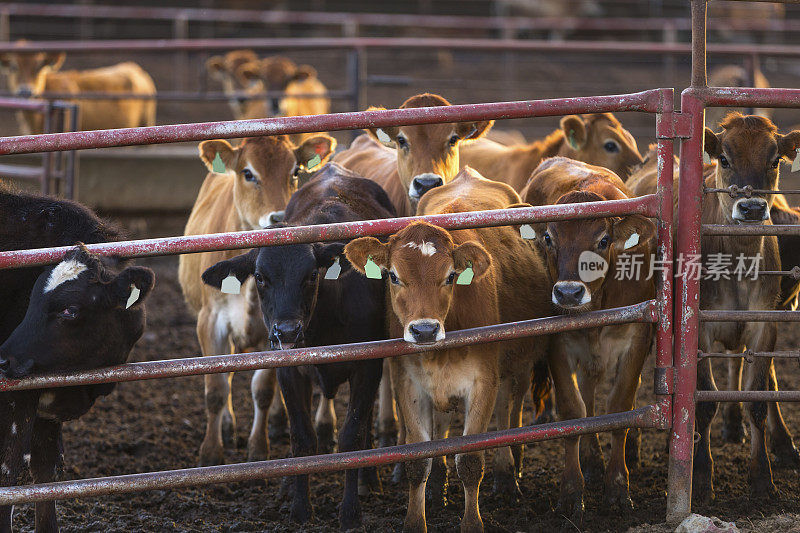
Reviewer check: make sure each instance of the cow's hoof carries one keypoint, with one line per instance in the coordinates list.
(733, 431)
(229, 439)
(571, 507)
(301, 512)
(387, 438)
(593, 469)
(257, 449)
(474, 525)
(399, 474)
(369, 482)
(326, 438)
(785, 455)
(617, 501)
(211, 454)
(505, 486)
(350, 517)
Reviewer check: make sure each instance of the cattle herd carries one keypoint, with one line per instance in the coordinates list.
(418, 284)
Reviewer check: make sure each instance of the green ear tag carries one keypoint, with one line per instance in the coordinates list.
(372, 270)
(313, 162)
(796, 162)
(465, 278)
(571, 140)
(217, 165)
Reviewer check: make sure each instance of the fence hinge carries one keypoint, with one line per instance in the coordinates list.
(663, 380)
(674, 125)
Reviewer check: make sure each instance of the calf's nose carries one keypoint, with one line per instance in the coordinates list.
(423, 183)
(24, 92)
(5, 366)
(424, 332)
(751, 210)
(568, 293)
(286, 331)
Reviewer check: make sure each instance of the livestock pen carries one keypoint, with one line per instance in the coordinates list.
(676, 356)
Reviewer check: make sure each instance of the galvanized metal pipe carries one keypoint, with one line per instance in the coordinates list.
(645, 205)
(215, 364)
(644, 417)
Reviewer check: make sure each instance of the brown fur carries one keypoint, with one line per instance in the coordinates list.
(225, 69)
(734, 76)
(38, 73)
(431, 148)
(228, 202)
(592, 352)
(515, 164)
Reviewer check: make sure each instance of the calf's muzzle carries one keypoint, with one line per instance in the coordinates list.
(750, 210)
(423, 183)
(570, 294)
(286, 333)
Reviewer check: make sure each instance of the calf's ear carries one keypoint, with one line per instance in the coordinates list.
(385, 135)
(472, 254)
(574, 129)
(215, 65)
(327, 253)
(241, 267)
(711, 144)
(468, 131)
(315, 151)
(359, 251)
(132, 286)
(304, 72)
(54, 60)
(788, 144)
(633, 233)
(248, 72)
(210, 149)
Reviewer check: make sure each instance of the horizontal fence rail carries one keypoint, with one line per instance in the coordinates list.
(215, 364)
(644, 417)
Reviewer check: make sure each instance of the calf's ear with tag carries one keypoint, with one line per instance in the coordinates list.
(632, 233)
(132, 286)
(228, 276)
(367, 254)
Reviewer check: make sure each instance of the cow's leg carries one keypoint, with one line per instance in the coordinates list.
(325, 425)
(399, 470)
(436, 486)
(622, 398)
(703, 471)
(416, 409)
(278, 423)
(732, 420)
(592, 462)
(296, 389)
(570, 406)
(479, 407)
(542, 393)
(364, 385)
(45, 458)
(369, 481)
(217, 389)
(520, 386)
(387, 417)
(781, 442)
(505, 481)
(262, 389)
(762, 337)
(16, 427)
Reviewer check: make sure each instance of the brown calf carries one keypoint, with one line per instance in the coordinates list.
(259, 178)
(598, 139)
(225, 69)
(414, 159)
(423, 263)
(32, 74)
(571, 247)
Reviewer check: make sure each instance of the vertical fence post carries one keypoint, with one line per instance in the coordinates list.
(180, 30)
(47, 157)
(687, 294)
(5, 25)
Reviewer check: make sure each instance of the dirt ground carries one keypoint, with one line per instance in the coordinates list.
(158, 425)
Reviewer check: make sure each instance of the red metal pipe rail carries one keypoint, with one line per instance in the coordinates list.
(651, 101)
(644, 417)
(216, 364)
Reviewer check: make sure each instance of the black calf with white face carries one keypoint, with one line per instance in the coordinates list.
(287, 280)
(85, 312)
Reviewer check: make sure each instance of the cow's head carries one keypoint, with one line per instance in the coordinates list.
(85, 312)
(748, 152)
(581, 254)
(422, 262)
(225, 69)
(427, 155)
(276, 73)
(599, 139)
(287, 281)
(265, 171)
(27, 72)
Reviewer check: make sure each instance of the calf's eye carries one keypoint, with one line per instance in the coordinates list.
(547, 239)
(69, 313)
(723, 162)
(454, 140)
(260, 281)
(450, 278)
(611, 147)
(248, 176)
(604, 242)
(393, 278)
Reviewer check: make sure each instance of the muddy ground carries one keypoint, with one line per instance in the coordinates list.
(158, 425)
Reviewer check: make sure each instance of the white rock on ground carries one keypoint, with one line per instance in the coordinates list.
(696, 523)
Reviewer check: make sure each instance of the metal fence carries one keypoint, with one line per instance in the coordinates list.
(676, 362)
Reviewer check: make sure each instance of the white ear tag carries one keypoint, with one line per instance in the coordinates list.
(796, 162)
(135, 292)
(231, 285)
(527, 232)
(632, 241)
(334, 270)
(706, 159)
(382, 136)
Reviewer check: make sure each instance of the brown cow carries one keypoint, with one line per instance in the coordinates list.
(423, 157)
(225, 69)
(423, 262)
(598, 139)
(33, 74)
(734, 76)
(572, 248)
(260, 176)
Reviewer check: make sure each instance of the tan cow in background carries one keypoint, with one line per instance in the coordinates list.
(597, 139)
(225, 69)
(734, 76)
(33, 74)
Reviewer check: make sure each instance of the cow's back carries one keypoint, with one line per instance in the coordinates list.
(507, 164)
